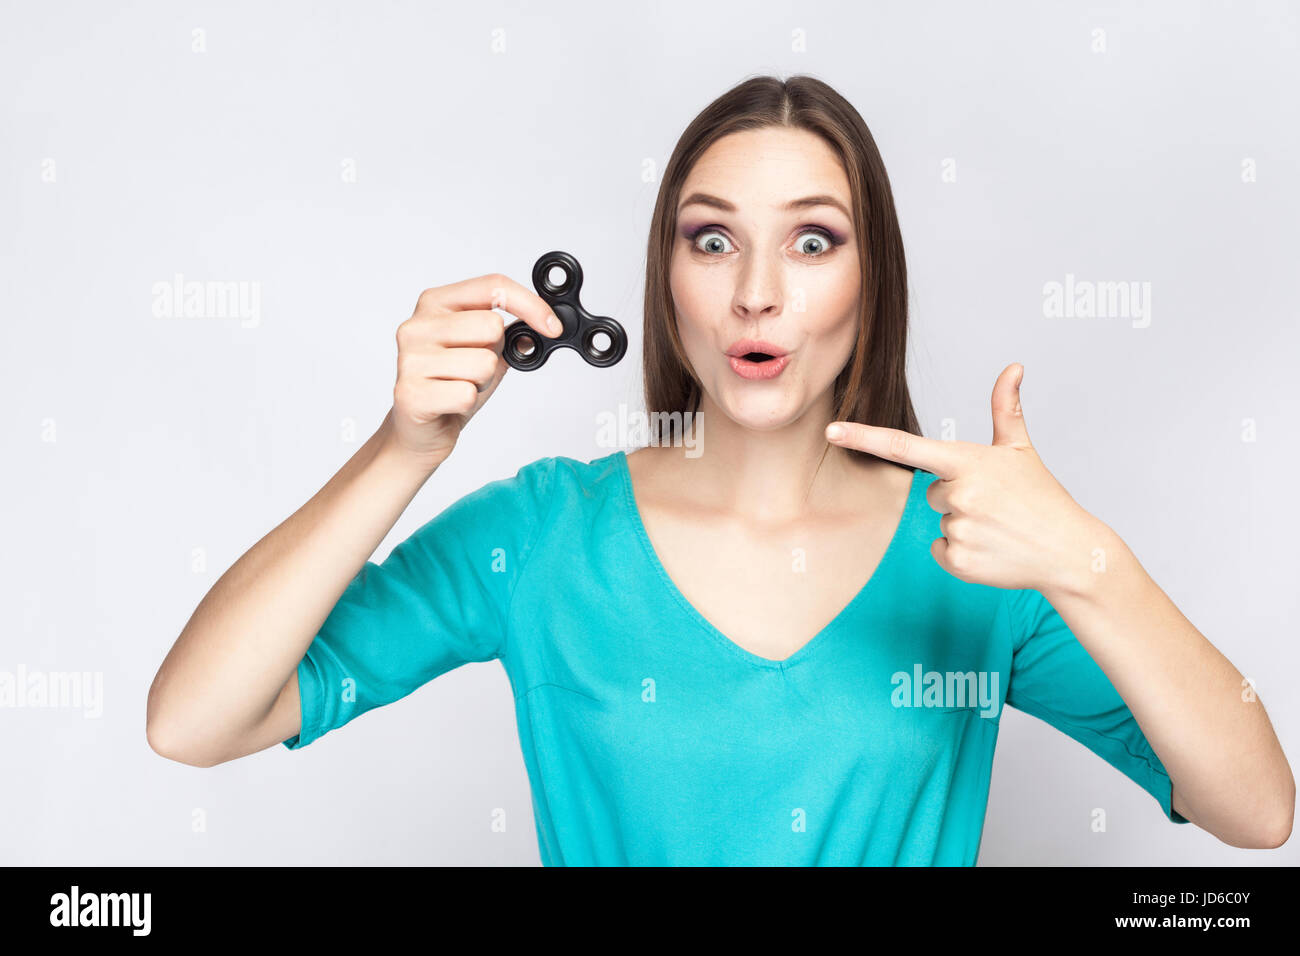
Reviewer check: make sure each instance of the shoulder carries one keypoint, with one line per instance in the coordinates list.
(531, 483)
(539, 486)
(589, 478)
(1027, 612)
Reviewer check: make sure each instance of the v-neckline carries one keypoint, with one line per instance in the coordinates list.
(633, 512)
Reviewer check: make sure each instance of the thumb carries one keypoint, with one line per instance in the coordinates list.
(1008, 418)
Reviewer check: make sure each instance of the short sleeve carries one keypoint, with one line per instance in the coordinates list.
(439, 600)
(1054, 678)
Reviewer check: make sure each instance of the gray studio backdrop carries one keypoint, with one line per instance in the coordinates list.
(334, 159)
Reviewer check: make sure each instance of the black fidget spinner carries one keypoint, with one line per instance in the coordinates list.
(527, 350)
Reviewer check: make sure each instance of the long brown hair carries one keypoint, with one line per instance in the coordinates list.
(872, 388)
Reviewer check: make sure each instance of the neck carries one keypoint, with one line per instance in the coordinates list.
(771, 476)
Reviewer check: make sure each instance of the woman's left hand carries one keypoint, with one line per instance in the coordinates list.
(1006, 521)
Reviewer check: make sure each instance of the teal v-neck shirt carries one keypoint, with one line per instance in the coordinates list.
(650, 738)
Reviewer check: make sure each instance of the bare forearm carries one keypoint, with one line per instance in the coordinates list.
(1194, 707)
(252, 628)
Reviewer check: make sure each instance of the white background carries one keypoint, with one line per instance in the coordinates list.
(131, 440)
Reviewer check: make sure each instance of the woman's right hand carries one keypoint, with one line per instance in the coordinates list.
(449, 361)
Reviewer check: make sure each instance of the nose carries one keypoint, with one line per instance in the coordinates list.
(758, 289)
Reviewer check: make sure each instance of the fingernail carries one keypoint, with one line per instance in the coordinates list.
(835, 432)
(553, 323)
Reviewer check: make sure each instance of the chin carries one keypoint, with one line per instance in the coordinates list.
(761, 412)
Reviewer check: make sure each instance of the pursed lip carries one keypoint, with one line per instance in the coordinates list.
(745, 346)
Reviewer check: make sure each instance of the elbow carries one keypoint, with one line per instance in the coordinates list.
(1267, 828)
(1274, 838)
(1280, 831)
(165, 746)
(160, 732)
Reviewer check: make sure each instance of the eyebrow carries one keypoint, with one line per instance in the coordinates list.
(704, 199)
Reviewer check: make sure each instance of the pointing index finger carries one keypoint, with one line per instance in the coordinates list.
(941, 458)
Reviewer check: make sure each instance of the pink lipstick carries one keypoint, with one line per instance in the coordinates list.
(757, 360)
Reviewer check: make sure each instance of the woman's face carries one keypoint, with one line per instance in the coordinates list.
(764, 261)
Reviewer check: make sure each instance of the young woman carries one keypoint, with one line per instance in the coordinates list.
(792, 648)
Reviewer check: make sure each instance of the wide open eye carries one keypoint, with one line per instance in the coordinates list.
(815, 242)
(712, 241)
